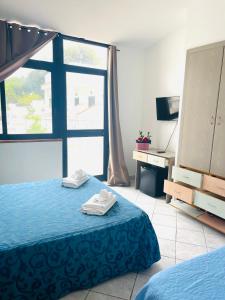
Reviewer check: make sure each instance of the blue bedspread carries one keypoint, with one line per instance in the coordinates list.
(201, 278)
(48, 248)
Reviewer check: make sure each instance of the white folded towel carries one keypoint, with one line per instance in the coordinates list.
(79, 174)
(99, 204)
(76, 180)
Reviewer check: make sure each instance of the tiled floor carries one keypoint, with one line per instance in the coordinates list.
(180, 238)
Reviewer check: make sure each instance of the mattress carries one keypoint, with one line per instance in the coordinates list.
(48, 248)
(201, 278)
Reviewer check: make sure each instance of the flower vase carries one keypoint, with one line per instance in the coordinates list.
(142, 146)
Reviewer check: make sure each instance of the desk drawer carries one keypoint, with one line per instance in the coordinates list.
(178, 191)
(210, 203)
(187, 176)
(140, 156)
(157, 161)
(214, 185)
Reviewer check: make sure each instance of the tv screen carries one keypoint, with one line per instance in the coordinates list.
(167, 108)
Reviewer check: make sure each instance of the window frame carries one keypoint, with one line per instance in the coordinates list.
(33, 65)
(85, 132)
(59, 105)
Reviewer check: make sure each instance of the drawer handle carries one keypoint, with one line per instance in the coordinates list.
(185, 176)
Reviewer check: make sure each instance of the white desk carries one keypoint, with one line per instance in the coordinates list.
(152, 157)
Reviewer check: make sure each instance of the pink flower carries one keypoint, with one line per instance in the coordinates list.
(145, 140)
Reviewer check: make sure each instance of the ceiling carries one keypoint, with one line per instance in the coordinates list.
(137, 23)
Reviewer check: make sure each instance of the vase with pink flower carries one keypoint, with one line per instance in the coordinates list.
(143, 142)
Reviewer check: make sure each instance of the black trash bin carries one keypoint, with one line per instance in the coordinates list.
(152, 180)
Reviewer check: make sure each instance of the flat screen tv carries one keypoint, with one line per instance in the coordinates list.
(167, 108)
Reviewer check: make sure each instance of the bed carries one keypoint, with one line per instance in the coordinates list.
(48, 248)
(201, 278)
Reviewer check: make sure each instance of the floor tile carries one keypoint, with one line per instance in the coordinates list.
(164, 220)
(79, 295)
(162, 264)
(165, 232)
(98, 296)
(146, 198)
(146, 208)
(150, 216)
(139, 283)
(144, 276)
(165, 209)
(187, 251)
(215, 240)
(210, 249)
(186, 222)
(178, 261)
(210, 230)
(118, 287)
(191, 237)
(167, 248)
(146, 203)
(127, 193)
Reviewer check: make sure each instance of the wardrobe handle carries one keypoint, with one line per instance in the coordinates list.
(212, 120)
(219, 120)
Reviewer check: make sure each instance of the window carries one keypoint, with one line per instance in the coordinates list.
(85, 101)
(61, 92)
(45, 54)
(28, 102)
(86, 109)
(80, 54)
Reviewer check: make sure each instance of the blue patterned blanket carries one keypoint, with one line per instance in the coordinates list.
(48, 248)
(201, 278)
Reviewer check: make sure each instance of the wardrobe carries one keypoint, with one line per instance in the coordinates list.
(202, 134)
(199, 175)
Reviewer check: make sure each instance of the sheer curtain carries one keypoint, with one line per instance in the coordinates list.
(117, 170)
(18, 43)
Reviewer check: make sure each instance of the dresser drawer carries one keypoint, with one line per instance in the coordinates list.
(187, 176)
(157, 161)
(210, 203)
(178, 191)
(214, 185)
(140, 156)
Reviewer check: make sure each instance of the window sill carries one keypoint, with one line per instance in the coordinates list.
(30, 141)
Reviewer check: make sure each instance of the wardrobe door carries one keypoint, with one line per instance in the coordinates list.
(202, 78)
(218, 152)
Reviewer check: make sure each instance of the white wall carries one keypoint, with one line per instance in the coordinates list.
(165, 62)
(164, 73)
(131, 91)
(20, 162)
(206, 22)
